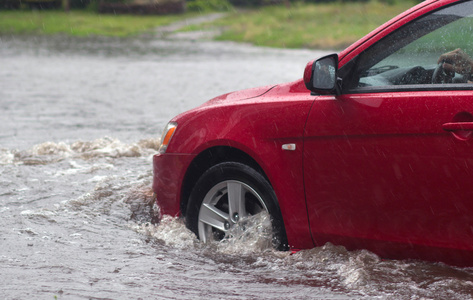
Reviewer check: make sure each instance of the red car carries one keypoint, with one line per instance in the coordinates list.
(372, 149)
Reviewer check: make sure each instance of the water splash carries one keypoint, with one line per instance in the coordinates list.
(169, 231)
(253, 235)
(6, 156)
(51, 152)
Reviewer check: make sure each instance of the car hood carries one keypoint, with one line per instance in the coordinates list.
(240, 95)
(253, 93)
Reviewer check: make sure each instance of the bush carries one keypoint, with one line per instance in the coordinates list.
(79, 3)
(208, 5)
(9, 4)
(254, 2)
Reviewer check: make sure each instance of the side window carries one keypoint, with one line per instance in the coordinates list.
(410, 55)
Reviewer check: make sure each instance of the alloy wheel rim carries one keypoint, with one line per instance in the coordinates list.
(226, 205)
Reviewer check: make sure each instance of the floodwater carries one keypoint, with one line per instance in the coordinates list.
(80, 121)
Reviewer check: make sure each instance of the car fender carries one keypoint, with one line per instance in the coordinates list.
(269, 129)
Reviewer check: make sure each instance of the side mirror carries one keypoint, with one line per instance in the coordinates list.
(320, 76)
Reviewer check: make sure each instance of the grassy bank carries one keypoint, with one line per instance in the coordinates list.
(321, 26)
(317, 26)
(80, 23)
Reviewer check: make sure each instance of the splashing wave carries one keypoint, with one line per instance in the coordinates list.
(51, 152)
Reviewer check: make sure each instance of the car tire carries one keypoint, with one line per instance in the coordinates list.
(210, 214)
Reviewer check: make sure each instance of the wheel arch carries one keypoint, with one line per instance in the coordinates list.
(208, 158)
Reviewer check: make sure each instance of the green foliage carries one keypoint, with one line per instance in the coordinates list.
(93, 6)
(327, 1)
(254, 2)
(306, 25)
(21, 4)
(9, 4)
(79, 3)
(208, 5)
(80, 23)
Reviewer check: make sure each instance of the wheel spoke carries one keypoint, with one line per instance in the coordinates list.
(236, 200)
(225, 207)
(214, 217)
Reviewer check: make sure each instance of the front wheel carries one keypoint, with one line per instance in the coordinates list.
(225, 197)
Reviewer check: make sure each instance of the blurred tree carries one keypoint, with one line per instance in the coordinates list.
(255, 2)
(208, 5)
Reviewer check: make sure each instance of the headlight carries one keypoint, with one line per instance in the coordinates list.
(167, 136)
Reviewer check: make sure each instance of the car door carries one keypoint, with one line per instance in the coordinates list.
(388, 165)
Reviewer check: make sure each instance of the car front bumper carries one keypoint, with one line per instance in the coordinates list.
(169, 171)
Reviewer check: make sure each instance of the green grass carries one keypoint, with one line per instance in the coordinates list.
(319, 26)
(80, 23)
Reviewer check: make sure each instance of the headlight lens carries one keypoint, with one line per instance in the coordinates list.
(167, 136)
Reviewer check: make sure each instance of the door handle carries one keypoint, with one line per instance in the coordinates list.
(461, 130)
(458, 126)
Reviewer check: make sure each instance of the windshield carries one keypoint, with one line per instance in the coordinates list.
(410, 55)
